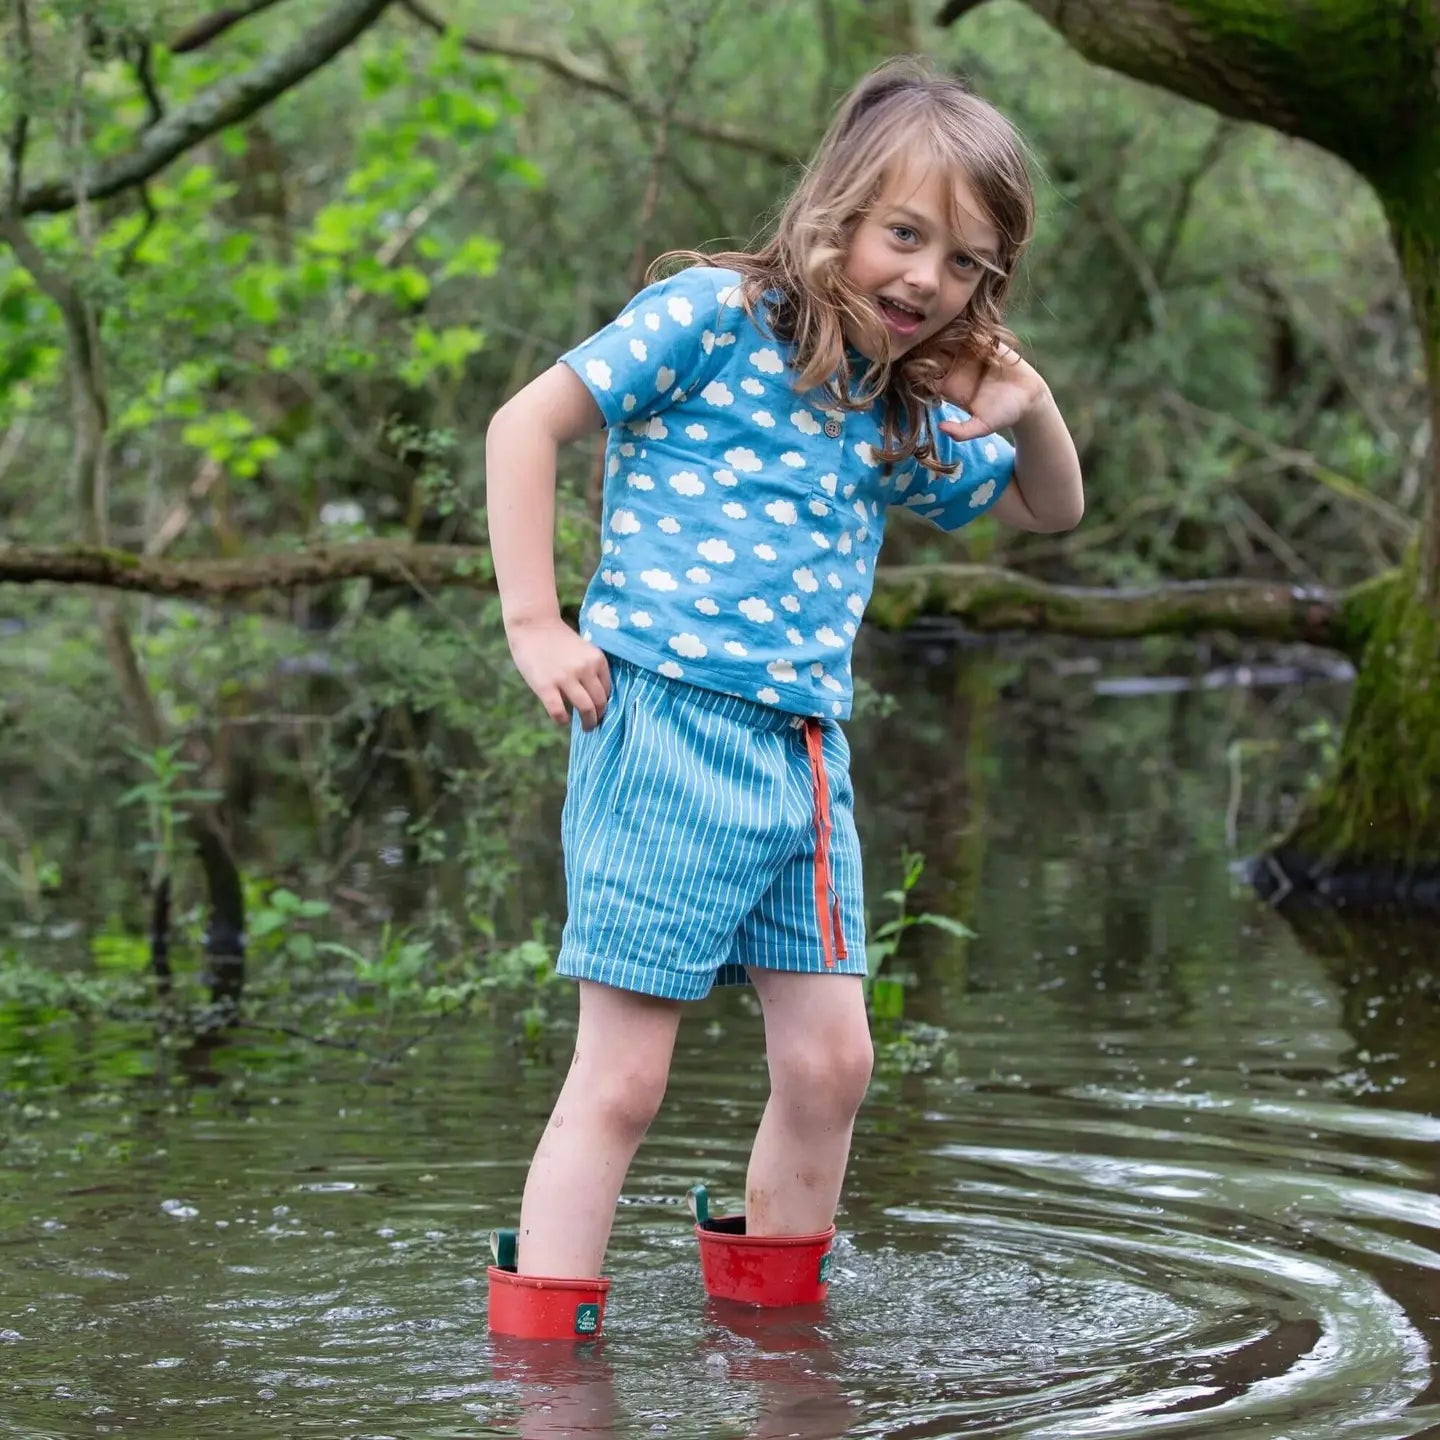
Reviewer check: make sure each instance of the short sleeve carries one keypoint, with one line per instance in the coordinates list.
(983, 468)
(666, 344)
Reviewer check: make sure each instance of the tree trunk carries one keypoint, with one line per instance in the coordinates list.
(1361, 79)
(1378, 816)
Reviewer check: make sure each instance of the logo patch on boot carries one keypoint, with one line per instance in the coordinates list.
(825, 1269)
(587, 1319)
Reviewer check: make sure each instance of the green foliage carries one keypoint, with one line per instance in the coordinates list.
(275, 926)
(887, 992)
(165, 794)
(307, 321)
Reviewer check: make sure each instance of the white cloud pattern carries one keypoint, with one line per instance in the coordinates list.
(731, 454)
(743, 458)
(692, 647)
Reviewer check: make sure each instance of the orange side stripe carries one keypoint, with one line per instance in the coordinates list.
(828, 916)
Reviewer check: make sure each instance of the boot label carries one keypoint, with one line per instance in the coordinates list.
(587, 1319)
(825, 1269)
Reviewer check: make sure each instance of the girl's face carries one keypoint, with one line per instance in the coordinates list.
(911, 262)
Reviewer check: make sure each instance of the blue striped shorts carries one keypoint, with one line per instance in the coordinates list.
(705, 833)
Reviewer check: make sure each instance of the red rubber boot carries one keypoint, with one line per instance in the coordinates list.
(765, 1270)
(537, 1307)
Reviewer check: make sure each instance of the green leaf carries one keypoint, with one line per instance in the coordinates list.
(945, 923)
(479, 255)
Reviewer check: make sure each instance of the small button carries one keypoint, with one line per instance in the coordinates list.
(832, 428)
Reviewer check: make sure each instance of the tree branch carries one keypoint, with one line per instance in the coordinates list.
(575, 71)
(955, 10)
(210, 27)
(225, 103)
(1355, 77)
(985, 597)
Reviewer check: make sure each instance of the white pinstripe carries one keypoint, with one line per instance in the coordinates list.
(690, 844)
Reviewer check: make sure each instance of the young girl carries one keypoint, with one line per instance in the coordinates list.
(765, 409)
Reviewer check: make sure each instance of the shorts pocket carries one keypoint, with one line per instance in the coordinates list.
(631, 770)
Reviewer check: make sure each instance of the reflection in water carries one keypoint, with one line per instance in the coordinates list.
(1137, 1161)
(563, 1389)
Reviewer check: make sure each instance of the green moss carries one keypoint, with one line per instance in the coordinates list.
(1383, 805)
(1361, 609)
(115, 559)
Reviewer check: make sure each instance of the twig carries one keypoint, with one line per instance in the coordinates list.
(152, 218)
(399, 239)
(1275, 543)
(1302, 460)
(295, 1033)
(173, 525)
(203, 31)
(576, 72)
(146, 76)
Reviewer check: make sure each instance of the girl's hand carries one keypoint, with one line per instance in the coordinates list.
(999, 398)
(561, 668)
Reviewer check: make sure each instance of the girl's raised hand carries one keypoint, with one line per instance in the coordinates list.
(562, 669)
(1007, 390)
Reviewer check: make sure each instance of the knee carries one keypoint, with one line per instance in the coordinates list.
(627, 1095)
(825, 1076)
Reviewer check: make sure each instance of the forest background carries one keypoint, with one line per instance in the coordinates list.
(302, 324)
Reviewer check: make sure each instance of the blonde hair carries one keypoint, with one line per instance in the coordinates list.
(900, 113)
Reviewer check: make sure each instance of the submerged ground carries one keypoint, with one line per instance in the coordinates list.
(1138, 1160)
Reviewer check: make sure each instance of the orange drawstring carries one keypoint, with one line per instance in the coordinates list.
(827, 902)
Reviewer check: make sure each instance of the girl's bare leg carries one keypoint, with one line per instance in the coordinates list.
(817, 1045)
(615, 1085)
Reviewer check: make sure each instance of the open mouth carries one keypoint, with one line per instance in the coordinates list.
(900, 315)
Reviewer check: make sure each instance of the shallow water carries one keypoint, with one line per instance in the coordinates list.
(1137, 1161)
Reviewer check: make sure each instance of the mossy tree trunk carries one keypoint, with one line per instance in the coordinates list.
(1361, 79)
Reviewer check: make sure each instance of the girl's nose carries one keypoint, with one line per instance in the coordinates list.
(923, 275)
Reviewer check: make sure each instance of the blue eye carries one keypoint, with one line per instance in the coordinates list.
(965, 262)
(903, 233)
